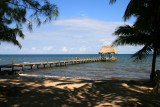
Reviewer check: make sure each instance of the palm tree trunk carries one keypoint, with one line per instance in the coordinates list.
(152, 75)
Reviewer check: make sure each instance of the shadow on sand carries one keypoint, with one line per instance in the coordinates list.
(59, 92)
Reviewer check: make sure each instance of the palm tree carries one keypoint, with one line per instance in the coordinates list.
(145, 31)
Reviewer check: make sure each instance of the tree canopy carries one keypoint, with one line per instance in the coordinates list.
(16, 14)
(145, 31)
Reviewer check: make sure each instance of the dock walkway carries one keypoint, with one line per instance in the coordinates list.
(33, 65)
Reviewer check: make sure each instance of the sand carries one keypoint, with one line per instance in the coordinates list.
(16, 91)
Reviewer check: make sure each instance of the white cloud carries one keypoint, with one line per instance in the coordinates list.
(48, 48)
(76, 35)
(83, 49)
(64, 49)
(33, 48)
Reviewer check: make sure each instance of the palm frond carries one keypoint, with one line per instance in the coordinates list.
(128, 35)
(143, 53)
(134, 8)
(112, 1)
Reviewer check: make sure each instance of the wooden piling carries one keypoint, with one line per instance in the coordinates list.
(79, 60)
(64, 62)
(23, 67)
(68, 60)
(59, 62)
(12, 61)
(76, 60)
(47, 62)
(72, 61)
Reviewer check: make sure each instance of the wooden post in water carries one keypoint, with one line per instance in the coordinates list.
(12, 61)
(23, 67)
(37, 65)
(72, 61)
(33, 66)
(68, 60)
(41, 65)
(12, 64)
(79, 60)
(76, 60)
(59, 62)
(53, 65)
(64, 62)
(47, 62)
(83, 59)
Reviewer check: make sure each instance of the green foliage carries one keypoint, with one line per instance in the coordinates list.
(112, 1)
(145, 31)
(16, 14)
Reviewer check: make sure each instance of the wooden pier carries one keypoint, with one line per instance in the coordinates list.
(50, 64)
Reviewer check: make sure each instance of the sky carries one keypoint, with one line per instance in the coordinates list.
(82, 27)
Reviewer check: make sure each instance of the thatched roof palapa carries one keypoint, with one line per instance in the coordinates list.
(108, 49)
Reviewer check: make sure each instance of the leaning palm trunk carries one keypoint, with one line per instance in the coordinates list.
(152, 75)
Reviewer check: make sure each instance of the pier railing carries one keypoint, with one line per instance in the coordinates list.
(68, 61)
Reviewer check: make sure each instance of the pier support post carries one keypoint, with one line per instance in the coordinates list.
(72, 61)
(76, 60)
(59, 62)
(12, 61)
(53, 65)
(41, 65)
(47, 62)
(79, 60)
(23, 67)
(68, 60)
(64, 62)
(31, 66)
(34, 66)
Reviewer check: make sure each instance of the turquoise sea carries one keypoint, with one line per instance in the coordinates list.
(122, 68)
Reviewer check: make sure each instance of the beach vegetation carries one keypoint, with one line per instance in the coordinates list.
(145, 31)
(15, 15)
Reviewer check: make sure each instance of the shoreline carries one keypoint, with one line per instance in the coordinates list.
(112, 78)
(18, 91)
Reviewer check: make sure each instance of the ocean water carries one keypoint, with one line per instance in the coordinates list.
(122, 68)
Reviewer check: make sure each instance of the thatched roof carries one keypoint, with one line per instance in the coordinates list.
(108, 49)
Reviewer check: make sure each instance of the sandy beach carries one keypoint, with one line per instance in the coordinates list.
(16, 91)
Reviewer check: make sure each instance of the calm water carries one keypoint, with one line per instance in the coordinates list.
(123, 68)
